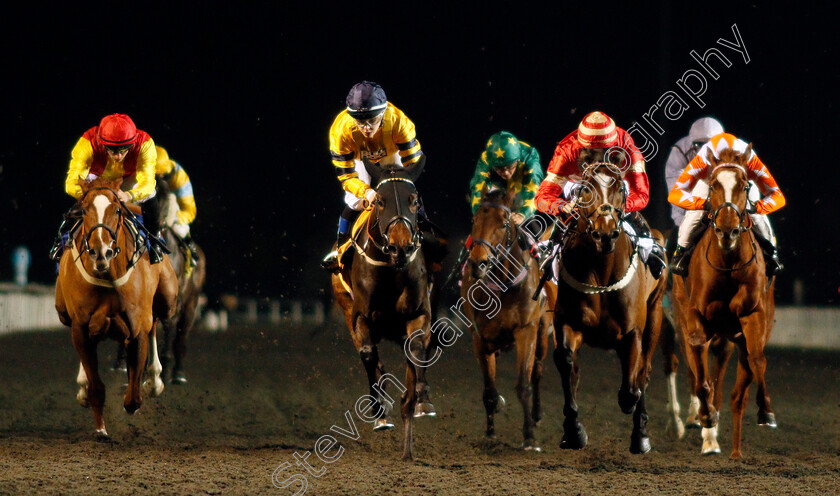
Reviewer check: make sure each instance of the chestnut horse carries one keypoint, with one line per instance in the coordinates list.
(107, 288)
(500, 269)
(606, 298)
(388, 296)
(190, 282)
(727, 296)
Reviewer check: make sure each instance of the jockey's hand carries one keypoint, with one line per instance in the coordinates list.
(370, 196)
(182, 230)
(568, 207)
(517, 218)
(124, 196)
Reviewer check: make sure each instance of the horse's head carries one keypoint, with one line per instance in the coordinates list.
(600, 202)
(102, 221)
(492, 229)
(395, 208)
(728, 196)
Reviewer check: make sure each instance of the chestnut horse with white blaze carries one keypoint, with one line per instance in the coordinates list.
(106, 287)
(727, 295)
(388, 296)
(606, 298)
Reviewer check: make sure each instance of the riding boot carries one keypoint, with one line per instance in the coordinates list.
(68, 223)
(771, 256)
(193, 249)
(656, 259)
(680, 260)
(345, 223)
(151, 222)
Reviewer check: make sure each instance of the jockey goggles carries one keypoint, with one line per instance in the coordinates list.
(118, 149)
(369, 123)
(511, 167)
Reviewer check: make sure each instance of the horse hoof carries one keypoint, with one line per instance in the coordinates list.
(639, 445)
(382, 424)
(627, 399)
(574, 437)
(153, 387)
(531, 445)
(131, 407)
(424, 410)
(767, 419)
(82, 398)
(101, 435)
(179, 379)
(735, 455)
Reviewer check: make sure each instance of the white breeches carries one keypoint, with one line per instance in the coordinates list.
(353, 201)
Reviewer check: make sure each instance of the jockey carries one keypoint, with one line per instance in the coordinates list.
(685, 196)
(509, 164)
(116, 148)
(179, 183)
(682, 152)
(557, 191)
(369, 128)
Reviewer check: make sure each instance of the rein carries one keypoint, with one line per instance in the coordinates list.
(385, 247)
(510, 241)
(122, 222)
(742, 227)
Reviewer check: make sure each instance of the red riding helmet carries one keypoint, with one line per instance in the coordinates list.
(117, 130)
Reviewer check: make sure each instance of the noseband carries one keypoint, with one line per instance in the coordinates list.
(605, 209)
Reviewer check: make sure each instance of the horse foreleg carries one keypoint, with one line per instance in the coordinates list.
(137, 351)
(153, 386)
(369, 354)
(526, 343)
(419, 348)
(698, 345)
(409, 401)
(738, 400)
(630, 354)
(565, 358)
(493, 402)
(94, 388)
(536, 374)
(758, 363)
(670, 360)
(179, 345)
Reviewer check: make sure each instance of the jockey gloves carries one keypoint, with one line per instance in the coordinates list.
(597, 130)
(366, 100)
(117, 130)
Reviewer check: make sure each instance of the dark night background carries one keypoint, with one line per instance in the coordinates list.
(243, 98)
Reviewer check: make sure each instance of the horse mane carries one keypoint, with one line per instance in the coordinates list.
(100, 182)
(500, 196)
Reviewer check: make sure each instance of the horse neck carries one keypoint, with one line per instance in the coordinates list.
(584, 258)
(740, 255)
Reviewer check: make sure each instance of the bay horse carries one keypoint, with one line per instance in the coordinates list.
(107, 288)
(608, 299)
(727, 296)
(190, 283)
(388, 296)
(501, 269)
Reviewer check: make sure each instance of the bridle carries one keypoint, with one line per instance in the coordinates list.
(606, 208)
(510, 237)
(400, 217)
(743, 222)
(115, 235)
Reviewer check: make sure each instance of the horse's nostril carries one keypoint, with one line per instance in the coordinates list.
(614, 234)
(596, 235)
(109, 253)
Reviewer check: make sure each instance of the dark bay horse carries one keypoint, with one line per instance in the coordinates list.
(107, 288)
(727, 296)
(606, 298)
(388, 296)
(190, 283)
(499, 268)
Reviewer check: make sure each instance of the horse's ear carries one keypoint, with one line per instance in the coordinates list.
(373, 171)
(710, 157)
(510, 198)
(117, 183)
(414, 170)
(747, 153)
(83, 183)
(484, 191)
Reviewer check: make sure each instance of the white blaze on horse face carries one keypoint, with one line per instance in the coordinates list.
(604, 180)
(727, 179)
(101, 203)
